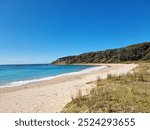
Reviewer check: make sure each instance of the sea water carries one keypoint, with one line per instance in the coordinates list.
(14, 75)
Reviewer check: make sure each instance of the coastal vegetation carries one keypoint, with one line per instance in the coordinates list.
(127, 93)
(118, 93)
(132, 53)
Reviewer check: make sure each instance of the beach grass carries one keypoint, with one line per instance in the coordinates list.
(128, 93)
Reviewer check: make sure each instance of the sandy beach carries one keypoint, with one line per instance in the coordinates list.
(52, 95)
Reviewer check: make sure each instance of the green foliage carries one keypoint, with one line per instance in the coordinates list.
(137, 52)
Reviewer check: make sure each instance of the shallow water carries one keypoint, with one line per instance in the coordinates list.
(13, 74)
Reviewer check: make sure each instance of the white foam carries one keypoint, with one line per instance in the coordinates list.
(18, 83)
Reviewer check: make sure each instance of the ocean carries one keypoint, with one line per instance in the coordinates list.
(15, 75)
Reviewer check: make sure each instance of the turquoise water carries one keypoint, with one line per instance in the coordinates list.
(20, 73)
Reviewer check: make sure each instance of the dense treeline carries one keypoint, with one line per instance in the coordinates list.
(136, 52)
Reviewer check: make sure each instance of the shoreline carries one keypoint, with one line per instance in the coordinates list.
(24, 82)
(52, 95)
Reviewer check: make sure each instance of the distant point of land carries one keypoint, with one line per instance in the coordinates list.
(132, 53)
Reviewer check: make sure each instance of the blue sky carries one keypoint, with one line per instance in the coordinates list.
(40, 31)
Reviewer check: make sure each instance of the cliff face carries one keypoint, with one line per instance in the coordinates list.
(136, 52)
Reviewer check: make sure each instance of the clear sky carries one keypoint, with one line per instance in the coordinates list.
(40, 31)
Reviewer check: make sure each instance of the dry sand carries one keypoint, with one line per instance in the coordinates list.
(52, 95)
